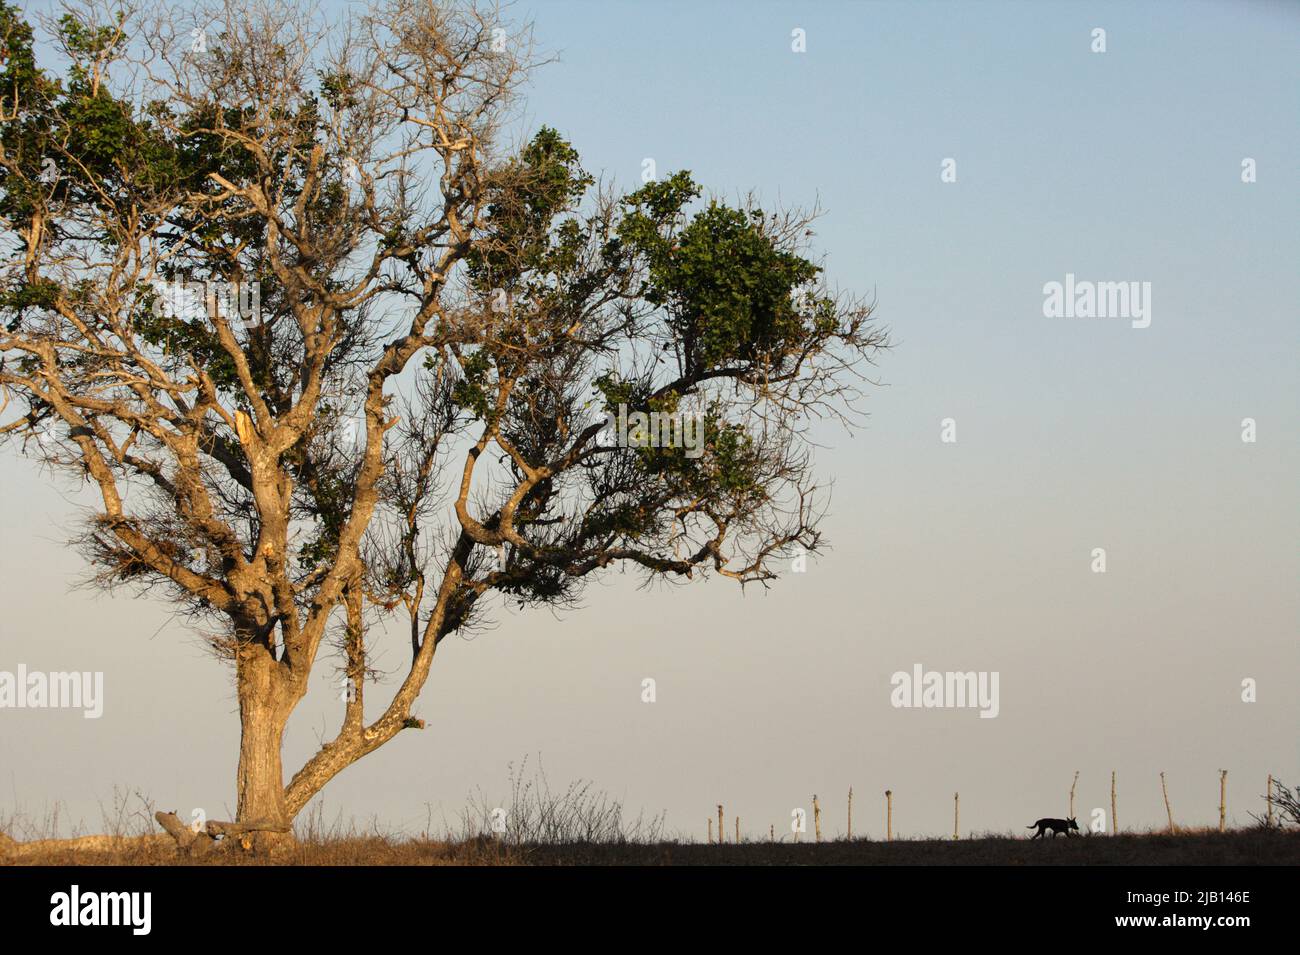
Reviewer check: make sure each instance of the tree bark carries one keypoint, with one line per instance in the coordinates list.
(264, 707)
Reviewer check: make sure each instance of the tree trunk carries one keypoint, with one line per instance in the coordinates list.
(264, 707)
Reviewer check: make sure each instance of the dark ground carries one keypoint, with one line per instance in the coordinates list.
(1241, 847)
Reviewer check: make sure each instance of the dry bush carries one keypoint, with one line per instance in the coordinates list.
(1286, 807)
(535, 814)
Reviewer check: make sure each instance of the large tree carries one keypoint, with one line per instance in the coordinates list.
(334, 343)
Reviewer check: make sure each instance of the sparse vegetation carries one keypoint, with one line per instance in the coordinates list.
(1284, 802)
(536, 824)
(1235, 847)
(536, 814)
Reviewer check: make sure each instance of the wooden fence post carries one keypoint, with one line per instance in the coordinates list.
(956, 815)
(1114, 816)
(817, 819)
(722, 833)
(1072, 785)
(1270, 800)
(1168, 811)
(850, 813)
(1223, 800)
(889, 814)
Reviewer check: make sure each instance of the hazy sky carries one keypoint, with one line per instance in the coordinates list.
(973, 555)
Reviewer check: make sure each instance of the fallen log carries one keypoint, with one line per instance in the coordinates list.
(173, 826)
(204, 840)
(243, 828)
(12, 850)
(176, 834)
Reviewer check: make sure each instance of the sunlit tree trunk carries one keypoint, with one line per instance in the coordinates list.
(264, 708)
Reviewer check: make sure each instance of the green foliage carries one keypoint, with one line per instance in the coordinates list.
(727, 286)
(24, 90)
(176, 336)
(617, 392)
(73, 142)
(545, 180)
(679, 296)
(470, 391)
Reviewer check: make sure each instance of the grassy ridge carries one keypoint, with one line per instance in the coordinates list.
(1239, 847)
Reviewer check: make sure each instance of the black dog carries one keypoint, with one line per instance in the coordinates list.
(1056, 825)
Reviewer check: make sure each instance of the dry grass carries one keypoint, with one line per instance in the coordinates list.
(580, 825)
(1238, 847)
